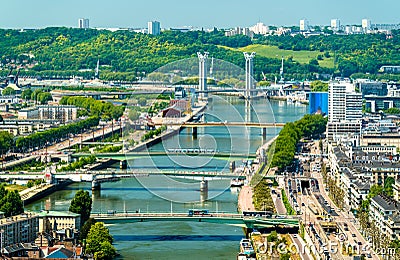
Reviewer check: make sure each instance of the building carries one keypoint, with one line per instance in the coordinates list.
(336, 102)
(22, 127)
(153, 28)
(318, 102)
(353, 107)
(304, 25)
(335, 24)
(390, 69)
(18, 229)
(259, 28)
(370, 87)
(344, 110)
(238, 30)
(10, 100)
(366, 25)
(62, 113)
(384, 212)
(58, 220)
(83, 23)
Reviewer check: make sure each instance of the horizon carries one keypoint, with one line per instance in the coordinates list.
(177, 14)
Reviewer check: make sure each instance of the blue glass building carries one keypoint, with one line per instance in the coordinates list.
(318, 102)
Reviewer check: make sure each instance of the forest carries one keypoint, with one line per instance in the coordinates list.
(129, 56)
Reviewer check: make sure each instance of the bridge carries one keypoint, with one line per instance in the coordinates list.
(225, 124)
(195, 125)
(98, 177)
(214, 217)
(181, 152)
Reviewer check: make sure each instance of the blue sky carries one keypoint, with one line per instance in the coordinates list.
(199, 13)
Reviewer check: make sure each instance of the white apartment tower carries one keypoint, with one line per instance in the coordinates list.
(335, 24)
(304, 25)
(366, 24)
(344, 105)
(153, 27)
(83, 23)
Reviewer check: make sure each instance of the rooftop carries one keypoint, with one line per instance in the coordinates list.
(386, 203)
(49, 213)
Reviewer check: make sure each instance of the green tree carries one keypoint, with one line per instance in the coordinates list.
(86, 228)
(99, 242)
(388, 186)
(11, 203)
(133, 114)
(26, 94)
(8, 91)
(142, 101)
(6, 141)
(44, 97)
(81, 204)
(319, 86)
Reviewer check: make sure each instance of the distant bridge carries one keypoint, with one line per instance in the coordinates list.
(219, 218)
(226, 124)
(183, 152)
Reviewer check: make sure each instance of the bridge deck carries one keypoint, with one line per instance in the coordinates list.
(225, 124)
(221, 218)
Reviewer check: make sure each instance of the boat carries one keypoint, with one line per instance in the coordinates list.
(246, 247)
(237, 182)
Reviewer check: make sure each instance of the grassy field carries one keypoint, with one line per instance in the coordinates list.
(302, 57)
(15, 187)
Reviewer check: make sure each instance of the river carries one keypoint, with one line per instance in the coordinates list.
(183, 240)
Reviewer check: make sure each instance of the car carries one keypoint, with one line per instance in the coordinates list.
(369, 255)
(353, 235)
(302, 204)
(294, 235)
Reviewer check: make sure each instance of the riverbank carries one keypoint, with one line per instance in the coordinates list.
(40, 191)
(245, 198)
(171, 130)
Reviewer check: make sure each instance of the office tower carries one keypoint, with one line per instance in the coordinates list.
(154, 27)
(83, 23)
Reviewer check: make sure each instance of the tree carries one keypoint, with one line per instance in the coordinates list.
(388, 186)
(11, 203)
(81, 204)
(318, 86)
(86, 228)
(26, 94)
(99, 242)
(8, 91)
(133, 115)
(142, 101)
(44, 97)
(6, 141)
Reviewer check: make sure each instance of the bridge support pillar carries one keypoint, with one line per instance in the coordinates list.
(264, 132)
(194, 132)
(123, 164)
(96, 185)
(204, 186)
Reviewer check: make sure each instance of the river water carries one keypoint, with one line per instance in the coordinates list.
(183, 240)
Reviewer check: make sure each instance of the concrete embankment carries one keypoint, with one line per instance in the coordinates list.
(169, 133)
(245, 199)
(40, 191)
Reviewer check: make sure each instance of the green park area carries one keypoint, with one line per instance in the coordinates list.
(303, 57)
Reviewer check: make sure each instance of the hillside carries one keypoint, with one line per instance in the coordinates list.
(126, 55)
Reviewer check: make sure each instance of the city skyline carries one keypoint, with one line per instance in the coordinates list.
(176, 13)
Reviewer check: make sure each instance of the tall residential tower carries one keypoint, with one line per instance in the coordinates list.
(153, 27)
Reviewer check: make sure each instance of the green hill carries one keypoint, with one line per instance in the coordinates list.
(303, 57)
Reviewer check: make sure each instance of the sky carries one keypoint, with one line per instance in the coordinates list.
(199, 13)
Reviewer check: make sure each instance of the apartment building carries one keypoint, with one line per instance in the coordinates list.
(18, 229)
